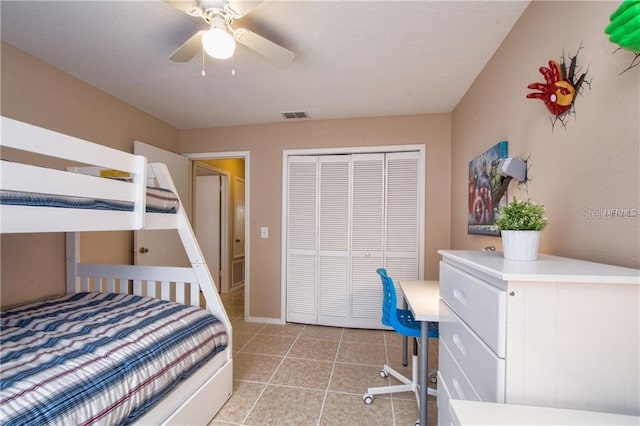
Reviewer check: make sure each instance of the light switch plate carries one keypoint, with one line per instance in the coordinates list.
(264, 232)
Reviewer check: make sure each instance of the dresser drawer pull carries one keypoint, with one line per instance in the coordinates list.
(458, 294)
(458, 341)
(456, 386)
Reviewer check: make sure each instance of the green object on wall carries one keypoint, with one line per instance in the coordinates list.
(624, 29)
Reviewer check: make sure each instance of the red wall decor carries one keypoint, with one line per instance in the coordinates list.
(560, 88)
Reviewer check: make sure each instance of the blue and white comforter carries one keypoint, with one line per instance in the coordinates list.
(158, 200)
(98, 358)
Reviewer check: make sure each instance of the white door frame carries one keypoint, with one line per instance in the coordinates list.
(421, 148)
(247, 202)
(225, 264)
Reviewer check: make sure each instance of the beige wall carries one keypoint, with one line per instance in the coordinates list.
(33, 266)
(591, 164)
(265, 144)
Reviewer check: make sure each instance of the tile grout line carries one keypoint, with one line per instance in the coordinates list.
(249, 341)
(333, 367)
(288, 355)
(261, 392)
(388, 362)
(267, 384)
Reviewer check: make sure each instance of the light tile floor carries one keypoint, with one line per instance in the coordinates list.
(297, 374)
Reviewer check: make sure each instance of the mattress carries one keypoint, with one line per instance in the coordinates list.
(99, 358)
(159, 200)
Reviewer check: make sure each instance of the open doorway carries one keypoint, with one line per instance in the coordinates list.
(210, 219)
(227, 236)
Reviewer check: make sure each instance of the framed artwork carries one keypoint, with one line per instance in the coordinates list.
(484, 182)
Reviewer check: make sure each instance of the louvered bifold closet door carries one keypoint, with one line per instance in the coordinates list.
(367, 239)
(302, 203)
(333, 236)
(403, 214)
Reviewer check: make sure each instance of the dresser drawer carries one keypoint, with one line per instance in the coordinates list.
(479, 363)
(453, 377)
(479, 304)
(444, 418)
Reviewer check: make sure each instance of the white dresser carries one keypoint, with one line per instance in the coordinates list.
(555, 332)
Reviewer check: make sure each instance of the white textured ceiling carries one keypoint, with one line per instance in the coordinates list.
(353, 58)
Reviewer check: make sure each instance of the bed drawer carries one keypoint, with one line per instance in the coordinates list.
(453, 377)
(479, 363)
(479, 304)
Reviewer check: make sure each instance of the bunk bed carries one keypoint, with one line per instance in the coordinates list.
(107, 306)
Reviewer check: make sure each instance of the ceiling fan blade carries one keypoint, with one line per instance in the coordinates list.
(277, 55)
(184, 6)
(242, 7)
(189, 49)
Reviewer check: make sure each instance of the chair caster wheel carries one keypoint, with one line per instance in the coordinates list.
(383, 374)
(368, 399)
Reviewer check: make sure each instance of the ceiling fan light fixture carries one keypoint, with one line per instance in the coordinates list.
(218, 43)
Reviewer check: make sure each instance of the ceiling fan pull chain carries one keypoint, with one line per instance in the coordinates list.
(203, 73)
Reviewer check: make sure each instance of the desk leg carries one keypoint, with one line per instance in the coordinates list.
(405, 345)
(424, 358)
(405, 340)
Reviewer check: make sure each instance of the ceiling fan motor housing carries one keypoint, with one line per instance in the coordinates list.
(209, 9)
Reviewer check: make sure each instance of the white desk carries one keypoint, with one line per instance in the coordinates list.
(465, 413)
(423, 298)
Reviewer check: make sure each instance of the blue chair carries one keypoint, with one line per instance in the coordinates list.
(404, 323)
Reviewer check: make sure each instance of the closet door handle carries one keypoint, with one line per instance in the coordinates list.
(143, 250)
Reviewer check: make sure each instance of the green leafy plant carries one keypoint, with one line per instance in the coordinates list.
(521, 216)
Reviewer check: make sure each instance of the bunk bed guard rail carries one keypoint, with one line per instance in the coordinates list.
(29, 138)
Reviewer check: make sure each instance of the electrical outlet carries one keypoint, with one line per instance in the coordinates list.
(264, 232)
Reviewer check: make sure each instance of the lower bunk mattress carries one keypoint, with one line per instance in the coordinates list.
(99, 358)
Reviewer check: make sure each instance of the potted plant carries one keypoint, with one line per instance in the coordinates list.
(520, 224)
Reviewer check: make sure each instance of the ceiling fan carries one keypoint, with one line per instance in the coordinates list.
(220, 40)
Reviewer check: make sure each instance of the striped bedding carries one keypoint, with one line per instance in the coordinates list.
(159, 200)
(98, 358)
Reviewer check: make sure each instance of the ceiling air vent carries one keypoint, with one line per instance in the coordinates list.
(294, 115)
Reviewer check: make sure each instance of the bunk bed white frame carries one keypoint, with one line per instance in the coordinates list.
(200, 397)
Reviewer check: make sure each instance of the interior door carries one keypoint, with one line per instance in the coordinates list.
(301, 239)
(403, 212)
(238, 218)
(333, 240)
(163, 247)
(207, 225)
(346, 216)
(403, 201)
(367, 238)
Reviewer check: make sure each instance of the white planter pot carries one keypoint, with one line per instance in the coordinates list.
(520, 245)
